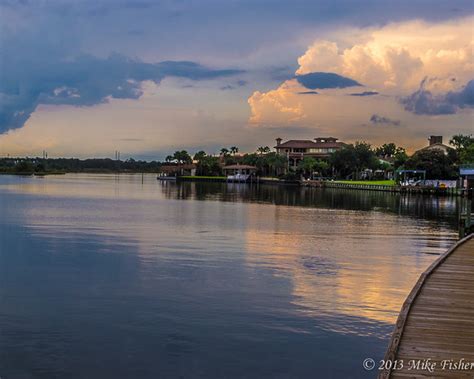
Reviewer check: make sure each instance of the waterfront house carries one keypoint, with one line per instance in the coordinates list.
(436, 143)
(296, 150)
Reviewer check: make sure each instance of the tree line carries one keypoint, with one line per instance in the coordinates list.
(62, 165)
(350, 162)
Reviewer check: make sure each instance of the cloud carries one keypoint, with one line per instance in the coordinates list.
(322, 80)
(276, 106)
(376, 119)
(463, 98)
(307, 93)
(282, 73)
(83, 81)
(397, 56)
(240, 83)
(365, 93)
(424, 101)
(391, 60)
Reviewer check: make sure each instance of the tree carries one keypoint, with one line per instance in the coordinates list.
(467, 154)
(182, 157)
(250, 159)
(464, 146)
(224, 152)
(321, 166)
(461, 142)
(389, 150)
(436, 163)
(234, 150)
(399, 159)
(276, 163)
(308, 165)
(169, 158)
(209, 166)
(386, 150)
(263, 150)
(24, 166)
(352, 159)
(343, 161)
(365, 156)
(199, 155)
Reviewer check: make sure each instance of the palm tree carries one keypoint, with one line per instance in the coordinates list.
(182, 156)
(199, 156)
(276, 163)
(224, 152)
(263, 150)
(169, 158)
(234, 150)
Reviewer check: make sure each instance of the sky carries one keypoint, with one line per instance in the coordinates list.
(146, 78)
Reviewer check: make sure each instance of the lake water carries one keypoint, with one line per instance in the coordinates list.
(122, 276)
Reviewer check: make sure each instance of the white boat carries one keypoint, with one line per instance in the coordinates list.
(240, 178)
(163, 177)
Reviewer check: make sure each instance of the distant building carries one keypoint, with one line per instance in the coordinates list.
(318, 148)
(436, 143)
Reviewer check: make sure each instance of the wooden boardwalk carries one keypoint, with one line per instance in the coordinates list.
(436, 322)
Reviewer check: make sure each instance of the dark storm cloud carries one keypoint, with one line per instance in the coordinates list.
(365, 93)
(382, 120)
(239, 83)
(322, 80)
(362, 12)
(307, 93)
(84, 81)
(425, 102)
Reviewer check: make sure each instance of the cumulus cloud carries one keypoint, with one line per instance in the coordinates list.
(273, 106)
(397, 56)
(390, 61)
(377, 119)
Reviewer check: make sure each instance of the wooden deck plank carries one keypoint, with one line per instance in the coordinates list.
(436, 322)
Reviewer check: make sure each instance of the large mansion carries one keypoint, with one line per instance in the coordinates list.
(296, 150)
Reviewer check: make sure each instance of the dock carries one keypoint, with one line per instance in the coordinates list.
(434, 333)
(421, 190)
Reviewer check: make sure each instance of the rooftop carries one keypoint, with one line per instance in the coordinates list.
(308, 144)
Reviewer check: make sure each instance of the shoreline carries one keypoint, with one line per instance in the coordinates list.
(358, 186)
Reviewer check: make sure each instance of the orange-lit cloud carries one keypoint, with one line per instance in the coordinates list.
(269, 106)
(390, 62)
(399, 55)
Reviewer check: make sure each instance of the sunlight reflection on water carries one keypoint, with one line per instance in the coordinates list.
(181, 271)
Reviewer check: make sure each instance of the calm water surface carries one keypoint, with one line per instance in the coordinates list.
(121, 276)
